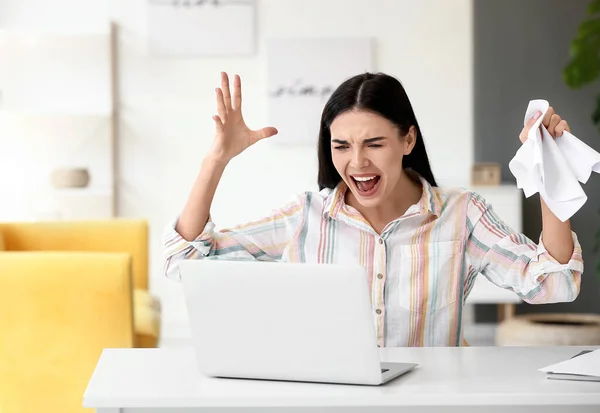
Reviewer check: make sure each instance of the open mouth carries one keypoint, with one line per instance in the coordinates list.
(366, 185)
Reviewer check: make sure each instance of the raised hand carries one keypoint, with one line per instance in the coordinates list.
(232, 136)
(552, 121)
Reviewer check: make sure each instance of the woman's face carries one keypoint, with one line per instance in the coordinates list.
(367, 152)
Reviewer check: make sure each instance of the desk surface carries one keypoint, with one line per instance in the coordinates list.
(459, 376)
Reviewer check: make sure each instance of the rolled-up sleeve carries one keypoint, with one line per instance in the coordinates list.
(513, 261)
(264, 239)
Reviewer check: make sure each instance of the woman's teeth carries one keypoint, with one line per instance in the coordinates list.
(366, 184)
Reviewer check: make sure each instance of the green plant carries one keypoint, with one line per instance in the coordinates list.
(584, 68)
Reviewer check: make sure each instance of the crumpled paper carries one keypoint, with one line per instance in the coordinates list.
(553, 166)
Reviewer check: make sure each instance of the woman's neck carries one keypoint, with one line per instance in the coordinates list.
(406, 193)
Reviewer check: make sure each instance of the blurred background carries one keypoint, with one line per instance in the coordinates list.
(105, 116)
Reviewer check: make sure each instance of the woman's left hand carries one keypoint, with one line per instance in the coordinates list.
(552, 121)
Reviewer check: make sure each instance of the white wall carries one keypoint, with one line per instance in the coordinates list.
(167, 104)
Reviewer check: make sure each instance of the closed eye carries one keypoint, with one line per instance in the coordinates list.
(342, 147)
(343, 144)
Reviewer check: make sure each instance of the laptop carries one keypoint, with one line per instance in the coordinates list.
(284, 321)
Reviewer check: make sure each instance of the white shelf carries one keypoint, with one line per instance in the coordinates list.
(52, 113)
(75, 203)
(56, 109)
(51, 31)
(484, 292)
(83, 192)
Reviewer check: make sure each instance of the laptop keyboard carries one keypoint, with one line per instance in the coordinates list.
(384, 370)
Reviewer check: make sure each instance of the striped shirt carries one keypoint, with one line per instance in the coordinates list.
(421, 267)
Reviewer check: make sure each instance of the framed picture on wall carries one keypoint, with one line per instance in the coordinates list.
(201, 27)
(302, 75)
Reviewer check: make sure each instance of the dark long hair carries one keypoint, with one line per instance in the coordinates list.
(378, 93)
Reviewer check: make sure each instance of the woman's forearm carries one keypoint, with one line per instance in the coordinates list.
(196, 211)
(556, 235)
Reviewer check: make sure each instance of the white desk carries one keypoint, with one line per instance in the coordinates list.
(449, 379)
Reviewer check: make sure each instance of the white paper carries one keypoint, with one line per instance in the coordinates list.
(587, 364)
(553, 167)
(201, 27)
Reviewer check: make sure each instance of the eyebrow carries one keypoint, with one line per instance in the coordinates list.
(366, 141)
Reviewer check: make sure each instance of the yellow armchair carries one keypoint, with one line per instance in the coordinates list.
(59, 310)
(116, 235)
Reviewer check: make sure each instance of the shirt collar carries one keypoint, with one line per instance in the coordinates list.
(335, 200)
(432, 199)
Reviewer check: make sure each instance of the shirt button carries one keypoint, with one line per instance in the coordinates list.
(380, 240)
(380, 276)
(378, 311)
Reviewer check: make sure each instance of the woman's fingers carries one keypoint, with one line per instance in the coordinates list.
(237, 92)
(221, 109)
(225, 89)
(263, 133)
(561, 128)
(554, 121)
(549, 113)
(218, 123)
(528, 125)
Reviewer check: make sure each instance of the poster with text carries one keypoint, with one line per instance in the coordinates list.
(201, 27)
(302, 75)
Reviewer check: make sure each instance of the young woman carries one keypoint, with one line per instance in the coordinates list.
(379, 206)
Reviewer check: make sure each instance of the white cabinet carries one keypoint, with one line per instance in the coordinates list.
(56, 111)
(506, 200)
